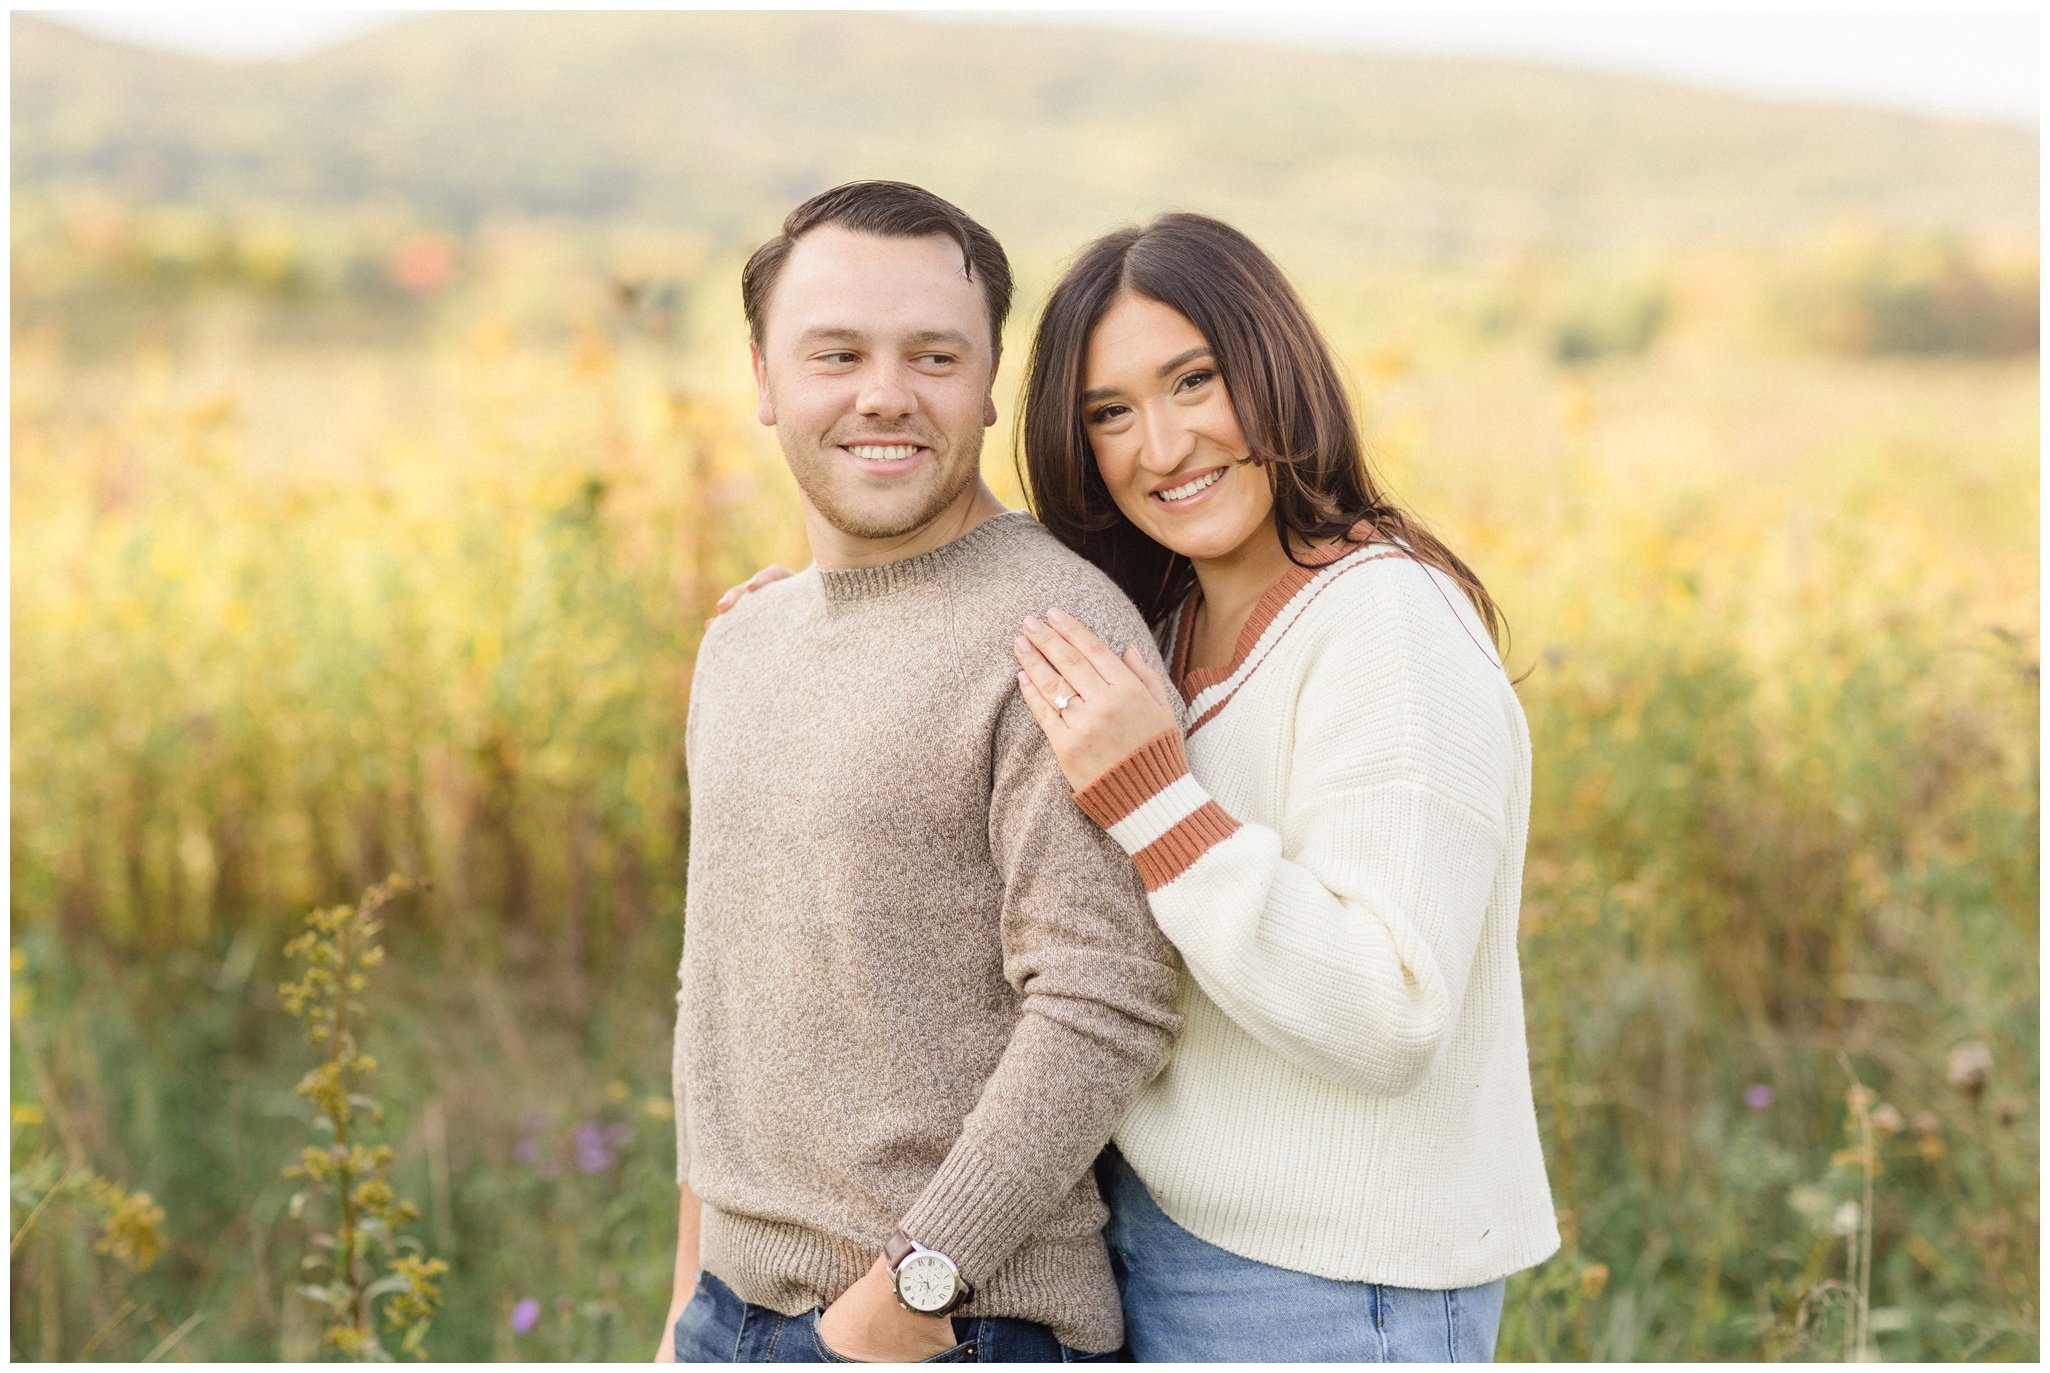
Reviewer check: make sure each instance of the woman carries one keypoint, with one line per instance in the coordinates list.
(1341, 1162)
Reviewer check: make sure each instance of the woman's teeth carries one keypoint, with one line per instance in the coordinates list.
(883, 452)
(1189, 489)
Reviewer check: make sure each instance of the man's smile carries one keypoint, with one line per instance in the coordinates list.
(883, 452)
(886, 457)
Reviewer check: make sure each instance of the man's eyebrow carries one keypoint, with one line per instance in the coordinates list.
(926, 338)
(1178, 360)
(811, 338)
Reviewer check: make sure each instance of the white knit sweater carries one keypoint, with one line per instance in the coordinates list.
(1338, 854)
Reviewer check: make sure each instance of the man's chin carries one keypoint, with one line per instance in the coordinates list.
(884, 520)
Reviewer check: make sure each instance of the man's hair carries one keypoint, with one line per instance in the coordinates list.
(885, 209)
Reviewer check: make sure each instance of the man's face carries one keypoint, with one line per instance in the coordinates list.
(875, 368)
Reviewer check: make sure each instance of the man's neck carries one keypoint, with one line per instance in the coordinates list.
(838, 551)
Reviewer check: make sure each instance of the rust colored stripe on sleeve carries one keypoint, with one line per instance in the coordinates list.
(1135, 779)
(1175, 852)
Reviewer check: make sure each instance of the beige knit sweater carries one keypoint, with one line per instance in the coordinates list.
(918, 986)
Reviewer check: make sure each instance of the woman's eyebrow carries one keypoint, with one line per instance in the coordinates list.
(1178, 360)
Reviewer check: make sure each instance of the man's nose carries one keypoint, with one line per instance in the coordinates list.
(886, 391)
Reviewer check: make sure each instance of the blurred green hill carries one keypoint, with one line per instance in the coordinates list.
(714, 123)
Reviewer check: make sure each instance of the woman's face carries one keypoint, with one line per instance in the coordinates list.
(1165, 436)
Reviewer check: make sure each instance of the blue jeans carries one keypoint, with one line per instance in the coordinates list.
(1188, 1301)
(718, 1327)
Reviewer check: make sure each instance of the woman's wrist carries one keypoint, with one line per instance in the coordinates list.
(1156, 811)
(1134, 779)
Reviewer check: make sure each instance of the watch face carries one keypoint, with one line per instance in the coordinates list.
(925, 1282)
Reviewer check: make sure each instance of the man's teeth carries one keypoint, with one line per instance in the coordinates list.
(1189, 489)
(883, 452)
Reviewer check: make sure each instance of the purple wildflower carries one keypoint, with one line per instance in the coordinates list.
(1758, 1096)
(527, 1150)
(526, 1315)
(598, 1145)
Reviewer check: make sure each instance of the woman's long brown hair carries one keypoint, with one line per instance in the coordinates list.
(1285, 387)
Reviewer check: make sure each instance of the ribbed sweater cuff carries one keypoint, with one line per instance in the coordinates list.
(973, 1211)
(1156, 811)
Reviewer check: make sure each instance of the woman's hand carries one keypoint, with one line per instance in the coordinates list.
(1113, 703)
(774, 572)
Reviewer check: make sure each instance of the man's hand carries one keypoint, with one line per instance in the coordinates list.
(868, 1324)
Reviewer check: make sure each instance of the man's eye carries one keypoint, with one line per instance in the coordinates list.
(836, 357)
(937, 359)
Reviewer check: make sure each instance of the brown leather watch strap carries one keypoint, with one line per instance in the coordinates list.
(896, 1249)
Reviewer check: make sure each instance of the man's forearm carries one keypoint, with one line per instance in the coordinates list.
(1064, 1081)
(686, 1280)
(689, 1211)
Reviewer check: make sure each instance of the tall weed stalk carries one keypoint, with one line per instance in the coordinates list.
(340, 948)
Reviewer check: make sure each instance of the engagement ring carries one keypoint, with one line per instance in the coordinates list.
(1063, 701)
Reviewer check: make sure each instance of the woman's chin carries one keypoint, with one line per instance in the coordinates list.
(1198, 543)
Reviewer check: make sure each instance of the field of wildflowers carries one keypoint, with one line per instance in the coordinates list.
(340, 552)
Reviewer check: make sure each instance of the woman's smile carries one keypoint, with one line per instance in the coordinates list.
(1182, 496)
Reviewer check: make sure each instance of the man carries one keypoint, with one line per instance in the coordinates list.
(919, 986)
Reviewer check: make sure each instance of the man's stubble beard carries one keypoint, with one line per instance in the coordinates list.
(814, 479)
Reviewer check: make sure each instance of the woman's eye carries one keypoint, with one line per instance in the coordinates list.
(1193, 380)
(1103, 414)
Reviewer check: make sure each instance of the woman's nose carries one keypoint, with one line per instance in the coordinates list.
(1168, 441)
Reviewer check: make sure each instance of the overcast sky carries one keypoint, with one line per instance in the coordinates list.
(1967, 62)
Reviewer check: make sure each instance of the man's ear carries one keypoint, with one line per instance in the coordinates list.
(989, 402)
(765, 408)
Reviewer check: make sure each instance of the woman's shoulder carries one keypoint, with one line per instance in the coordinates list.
(1394, 648)
(1381, 600)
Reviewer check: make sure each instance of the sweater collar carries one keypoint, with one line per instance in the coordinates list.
(1193, 682)
(870, 583)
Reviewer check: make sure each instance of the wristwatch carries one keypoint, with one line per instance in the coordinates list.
(926, 1280)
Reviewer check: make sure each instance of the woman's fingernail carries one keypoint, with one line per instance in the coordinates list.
(1032, 622)
(1057, 616)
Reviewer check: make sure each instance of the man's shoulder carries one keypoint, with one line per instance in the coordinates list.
(1031, 572)
(766, 611)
